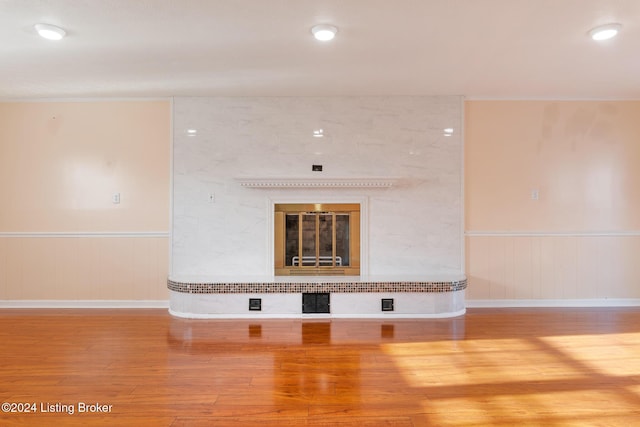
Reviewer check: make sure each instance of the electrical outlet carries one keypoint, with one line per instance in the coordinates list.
(535, 194)
(212, 197)
(115, 198)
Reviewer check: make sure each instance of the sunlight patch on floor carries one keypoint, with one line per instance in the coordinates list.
(605, 354)
(557, 380)
(478, 362)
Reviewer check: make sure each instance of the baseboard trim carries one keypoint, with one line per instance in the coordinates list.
(513, 303)
(388, 315)
(315, 316)
(84, 303)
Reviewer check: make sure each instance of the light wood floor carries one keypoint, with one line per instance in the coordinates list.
(524, 367)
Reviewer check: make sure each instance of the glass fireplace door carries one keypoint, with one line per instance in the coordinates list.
(312, 242)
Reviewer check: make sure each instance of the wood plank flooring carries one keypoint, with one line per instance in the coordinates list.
(491, 367)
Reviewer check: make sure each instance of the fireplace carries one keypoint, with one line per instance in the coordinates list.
(395, 237)
(317, 239)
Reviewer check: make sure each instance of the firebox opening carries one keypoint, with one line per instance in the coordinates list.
(317, 239)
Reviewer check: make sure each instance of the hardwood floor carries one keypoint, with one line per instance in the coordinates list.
(491, 367)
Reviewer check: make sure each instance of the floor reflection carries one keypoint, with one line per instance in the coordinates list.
(255, 331)
(316, 332)
(387, 331)
(324, 363)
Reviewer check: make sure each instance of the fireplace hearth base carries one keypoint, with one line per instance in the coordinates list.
(351, 297)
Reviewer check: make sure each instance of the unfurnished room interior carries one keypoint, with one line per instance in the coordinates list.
(341, 213)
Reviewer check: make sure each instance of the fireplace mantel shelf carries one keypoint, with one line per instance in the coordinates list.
(352, 182)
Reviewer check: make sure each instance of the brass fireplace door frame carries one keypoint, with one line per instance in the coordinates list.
(350, 209)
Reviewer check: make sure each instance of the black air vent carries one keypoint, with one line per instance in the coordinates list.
(255, 304)
(387, 304)
(315, 303)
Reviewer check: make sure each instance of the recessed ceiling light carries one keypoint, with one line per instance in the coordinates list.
(448, 130)
(324, 32)
(318, 133)
(50, 32)
(605, 32)
(192, 132)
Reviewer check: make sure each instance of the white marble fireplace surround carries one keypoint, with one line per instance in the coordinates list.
(390, 154)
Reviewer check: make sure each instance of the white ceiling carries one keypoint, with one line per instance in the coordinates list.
(513, 49)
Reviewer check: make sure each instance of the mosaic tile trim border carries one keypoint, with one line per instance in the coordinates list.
(324, 287)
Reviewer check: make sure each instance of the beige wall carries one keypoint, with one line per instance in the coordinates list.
(581, 238)
(61, 237)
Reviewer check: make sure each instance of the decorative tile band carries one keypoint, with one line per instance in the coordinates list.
(320, 287)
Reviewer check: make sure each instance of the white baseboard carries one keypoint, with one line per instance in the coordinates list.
(388, 315)
(259, 315)
(84, 303)
(506, 303)
(502, 303)
(232, 316)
